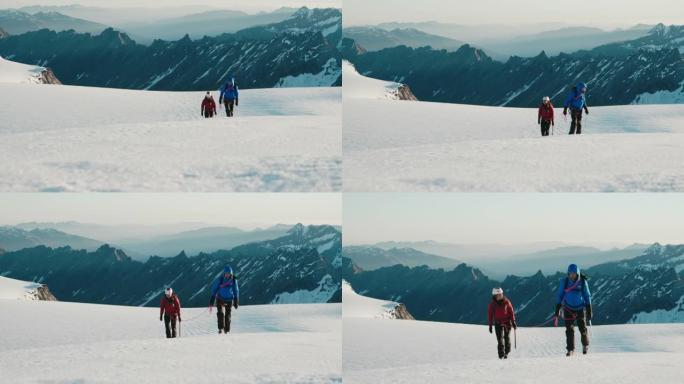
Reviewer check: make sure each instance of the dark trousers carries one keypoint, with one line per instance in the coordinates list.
(545, 125)
(223, 310)
(208, 113)
(503, 339)
(170, 324)
(576, 123)
(570, 318)
(230, 106)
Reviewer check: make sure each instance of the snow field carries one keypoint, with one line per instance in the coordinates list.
(73, 342)
(384, 351)
(64, 138)
(419, 146)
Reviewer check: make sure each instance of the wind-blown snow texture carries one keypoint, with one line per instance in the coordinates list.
(385, 351)
(109, 344)
(68, 138)
(392, 146)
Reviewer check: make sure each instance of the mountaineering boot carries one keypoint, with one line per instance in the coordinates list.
(220, 331)
(569, 353)
(505, 356)
(585, 349)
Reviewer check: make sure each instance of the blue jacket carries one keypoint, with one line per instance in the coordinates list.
(229, 91)
(576, 98)
(571, 295)
(224, 289)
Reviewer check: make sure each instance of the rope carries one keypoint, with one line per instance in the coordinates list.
(545, 322)
(197, 316)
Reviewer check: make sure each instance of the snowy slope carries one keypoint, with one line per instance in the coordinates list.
(108, 344)
(357, 306)
(383, 351)
(96, 139)
(420, 146)
(17, 73)
(362, 87)
(11, 289)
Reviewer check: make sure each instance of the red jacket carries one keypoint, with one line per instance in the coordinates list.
(170, 305)
(208, 104)
(545, 113)
(502, 312)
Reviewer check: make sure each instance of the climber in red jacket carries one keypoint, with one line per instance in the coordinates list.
(170, 309)
(545, 116)
(502, 316)
(208, 106)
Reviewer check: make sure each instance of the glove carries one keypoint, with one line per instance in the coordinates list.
(160, 317)
(538, 121)
(236, 103)
(588, 312)
(565, 111)
(235, 303)
(586, 110)
(179, 319)
(553, 124)
(210, 307)
(220, 100)
(490, 328)
(514, 325)
(557, 311)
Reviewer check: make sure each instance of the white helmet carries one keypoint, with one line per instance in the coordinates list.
(169, 291)
(497, 291)
(546, 98)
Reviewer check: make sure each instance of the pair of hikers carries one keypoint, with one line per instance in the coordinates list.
(577, 103)
(573, 297)
(228, 96)
(224, 292)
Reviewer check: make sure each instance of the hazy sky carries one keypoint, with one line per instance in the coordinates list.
(514, 218)
(577, 12)
(250, 5)
(245, 210)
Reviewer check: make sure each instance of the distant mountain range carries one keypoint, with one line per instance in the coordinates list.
(301, 266)
(495, 260)
(644, 70)
(17, 22)
(207, 23)
(208, 239)
(301, 50)
(14, 239)
(370, 258)
(375, 39)
(646, 288)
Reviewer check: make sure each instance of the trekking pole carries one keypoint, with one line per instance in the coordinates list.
(179, 328)
(515, 338)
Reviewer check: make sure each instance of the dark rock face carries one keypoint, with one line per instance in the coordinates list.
(620, 290)
(259, 57)
(616, 73)
(306, 259)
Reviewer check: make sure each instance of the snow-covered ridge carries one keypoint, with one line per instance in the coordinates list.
(12, 289)
(17, 73)
(358, 306)
(362, 87)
